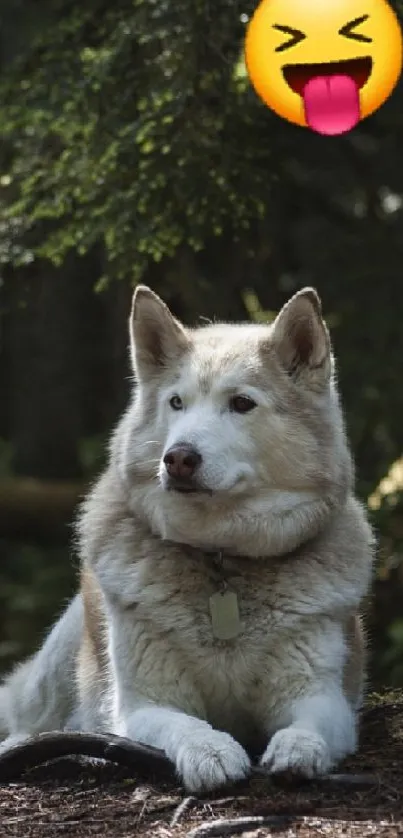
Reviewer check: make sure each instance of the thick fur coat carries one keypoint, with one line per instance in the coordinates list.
(229, 472)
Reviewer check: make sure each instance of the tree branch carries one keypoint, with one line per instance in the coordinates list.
(48, 746)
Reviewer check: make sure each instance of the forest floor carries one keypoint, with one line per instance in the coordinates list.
(69, 799)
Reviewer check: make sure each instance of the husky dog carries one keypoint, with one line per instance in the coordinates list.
(224, 559)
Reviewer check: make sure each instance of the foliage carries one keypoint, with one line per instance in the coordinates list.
(128, 124)
(34, 586)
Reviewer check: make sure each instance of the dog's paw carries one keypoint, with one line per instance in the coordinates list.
(296, 751)
(206, 762)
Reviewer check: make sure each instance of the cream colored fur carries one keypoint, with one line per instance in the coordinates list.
(275, 494)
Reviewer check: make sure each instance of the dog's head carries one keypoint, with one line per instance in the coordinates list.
(235, 423)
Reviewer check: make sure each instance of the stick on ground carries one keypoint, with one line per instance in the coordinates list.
(44, 747)
(181, 810)
(236, 826)
(357, 780)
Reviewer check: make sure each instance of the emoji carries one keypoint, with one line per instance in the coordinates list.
(324, 64)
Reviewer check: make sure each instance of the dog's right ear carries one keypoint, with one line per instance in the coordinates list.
(156, 337)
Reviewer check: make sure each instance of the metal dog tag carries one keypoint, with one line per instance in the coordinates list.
(224, 614)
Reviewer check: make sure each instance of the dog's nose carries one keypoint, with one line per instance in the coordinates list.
(182, 461)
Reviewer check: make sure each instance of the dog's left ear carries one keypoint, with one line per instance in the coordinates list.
(301, 340)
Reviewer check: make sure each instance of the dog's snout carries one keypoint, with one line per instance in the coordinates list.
(182, 461)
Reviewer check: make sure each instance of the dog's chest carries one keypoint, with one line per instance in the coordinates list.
(222, 610)
(230, 681)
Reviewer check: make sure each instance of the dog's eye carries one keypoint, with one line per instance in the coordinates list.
(241, 404)
(176, 403)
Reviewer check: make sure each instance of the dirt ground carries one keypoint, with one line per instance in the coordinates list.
(66, 798)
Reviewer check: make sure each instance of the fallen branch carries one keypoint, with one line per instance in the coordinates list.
(45, 747)
(184, 806)
(39, 510)
(34, 751)
(236, 826)
(359, 781)
(356, 780)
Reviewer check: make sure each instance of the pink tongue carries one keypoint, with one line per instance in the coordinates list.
(332, 104)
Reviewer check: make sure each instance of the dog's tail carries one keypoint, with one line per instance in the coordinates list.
(40, 695)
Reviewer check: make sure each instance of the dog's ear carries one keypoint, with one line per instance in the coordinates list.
(301, 340)
(156, 337)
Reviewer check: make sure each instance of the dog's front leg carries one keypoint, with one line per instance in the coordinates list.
(322, 731)
(156, 702)
(204, 758)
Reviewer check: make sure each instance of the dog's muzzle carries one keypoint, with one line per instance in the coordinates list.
(182, 462)
(186, 487)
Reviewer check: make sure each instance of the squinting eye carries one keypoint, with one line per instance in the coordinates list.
(176, 403)
(295, 36)
(241, 404)
(347, 30)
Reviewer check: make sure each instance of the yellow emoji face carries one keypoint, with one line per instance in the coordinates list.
(324, 64)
